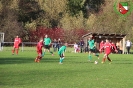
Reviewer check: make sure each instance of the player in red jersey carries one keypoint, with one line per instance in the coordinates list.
(39, 50)
(101, 45)
(108, 48)
(17, 42)
(113, 45)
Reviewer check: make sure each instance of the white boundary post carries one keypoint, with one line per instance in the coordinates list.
(1, 40)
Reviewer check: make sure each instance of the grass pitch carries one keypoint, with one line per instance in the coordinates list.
(20, 71)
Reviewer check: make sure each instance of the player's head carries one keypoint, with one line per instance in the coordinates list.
(41, 40)
(89, 38)
(59, 39)
(17, 36)
(66, 44)
(46, 36)
(107, 40)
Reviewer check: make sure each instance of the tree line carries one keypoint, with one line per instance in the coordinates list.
(25, 17)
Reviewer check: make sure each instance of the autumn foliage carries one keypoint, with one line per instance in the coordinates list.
(69, 36)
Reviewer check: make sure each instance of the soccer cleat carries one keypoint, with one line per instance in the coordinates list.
(89, 60)
(36, 60)
(102, 62)
(60, 63)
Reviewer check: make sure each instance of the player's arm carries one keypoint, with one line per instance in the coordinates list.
(101, 48)
(114, 47)
(64, 52)
(49, 41)
(44, 41)
(94, 45)
(20, 41)
(88, 45)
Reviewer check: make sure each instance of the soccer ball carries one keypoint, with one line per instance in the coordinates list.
(96, 62)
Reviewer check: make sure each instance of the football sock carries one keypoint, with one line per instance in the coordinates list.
(90, 57)
(109, 59)
(60, 60)
(51, 52)
(17, 51)
(37, 57)
(43, 54)
(97, 54)
(12, 51)
(103, 60)
(40, 57)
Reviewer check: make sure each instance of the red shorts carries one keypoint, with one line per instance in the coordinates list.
(39, 52)
(16, 46)
(108, 52)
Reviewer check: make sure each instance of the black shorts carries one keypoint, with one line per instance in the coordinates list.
(47, 47)
(92, 50)
(61, 55)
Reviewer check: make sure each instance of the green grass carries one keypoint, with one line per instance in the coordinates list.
(20, 71)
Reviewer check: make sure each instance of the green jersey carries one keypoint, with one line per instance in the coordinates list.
(61, 50)
(47, 41)
(91, 44)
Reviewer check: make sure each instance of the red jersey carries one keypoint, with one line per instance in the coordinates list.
(20, 40)
(108, 48)
(39, 46)
(101, 44)
(17, 41)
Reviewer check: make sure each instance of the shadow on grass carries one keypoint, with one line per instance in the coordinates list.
(21, 60)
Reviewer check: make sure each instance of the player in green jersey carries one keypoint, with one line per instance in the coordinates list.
(91, 46)
(47, 42)
(61, 53)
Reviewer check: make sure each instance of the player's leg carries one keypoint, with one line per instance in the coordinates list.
(108, 56)
(61, 58)
(104, 58)
(90, 57)
(96, 54)
(17, 49)
(36, 59)
(74, 50)
(128, 48)
(39, 57)
(13, 50)
(48, 47)
(45, 47)
(109, 59)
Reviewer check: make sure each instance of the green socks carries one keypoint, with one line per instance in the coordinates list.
(97, 55)
(90, 57)
(61, 60)
(43, 54)
(51, 52)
